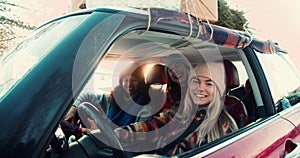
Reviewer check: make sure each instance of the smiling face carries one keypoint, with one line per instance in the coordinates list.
(130, 84)
(201, 90)
(178, 72)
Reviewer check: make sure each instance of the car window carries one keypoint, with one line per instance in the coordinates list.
(243, 77)
(153, 48)
(19, 60)
(282, 78)
(104, 77)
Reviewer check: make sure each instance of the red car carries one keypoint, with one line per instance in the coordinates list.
(42, 77)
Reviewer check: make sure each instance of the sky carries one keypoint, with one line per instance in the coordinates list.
(271, 19)
(276, 20)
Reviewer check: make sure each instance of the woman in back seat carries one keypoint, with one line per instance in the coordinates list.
(177, 70)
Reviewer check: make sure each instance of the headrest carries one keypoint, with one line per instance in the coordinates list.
(134, 69)
(156, 75)
(232, 76)
(248, 87)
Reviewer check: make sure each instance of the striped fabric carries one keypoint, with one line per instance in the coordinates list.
(136, 133)
(267, 47)
(221, 35)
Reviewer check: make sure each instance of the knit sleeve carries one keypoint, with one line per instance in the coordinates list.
(136, 131)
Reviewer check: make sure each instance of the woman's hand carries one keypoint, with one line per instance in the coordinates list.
(70, 116)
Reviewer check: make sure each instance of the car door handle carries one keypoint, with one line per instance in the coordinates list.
(292, 149)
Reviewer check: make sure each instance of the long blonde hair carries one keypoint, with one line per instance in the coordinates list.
(215, 115)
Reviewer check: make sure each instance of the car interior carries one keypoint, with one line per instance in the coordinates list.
(152, 48)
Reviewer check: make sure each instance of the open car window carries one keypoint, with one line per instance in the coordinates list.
(152, 48)
(283, 79)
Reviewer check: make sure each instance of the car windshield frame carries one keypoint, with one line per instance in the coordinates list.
(23, 57)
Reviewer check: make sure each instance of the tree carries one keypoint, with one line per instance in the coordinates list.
(231, 18)
(9, 24)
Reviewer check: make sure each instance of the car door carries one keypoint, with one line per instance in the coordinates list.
(263, 140)
(267, 136)
(291, 143)
(284, 81)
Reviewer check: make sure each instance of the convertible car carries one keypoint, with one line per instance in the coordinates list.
(86, 50)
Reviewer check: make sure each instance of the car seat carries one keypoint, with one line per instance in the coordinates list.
(248, 100)
(156, 76)
(234, 105)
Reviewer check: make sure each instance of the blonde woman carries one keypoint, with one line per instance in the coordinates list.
(200, 120)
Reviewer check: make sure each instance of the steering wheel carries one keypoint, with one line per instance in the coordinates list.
(87, 111)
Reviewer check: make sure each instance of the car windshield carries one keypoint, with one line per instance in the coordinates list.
(15, 63)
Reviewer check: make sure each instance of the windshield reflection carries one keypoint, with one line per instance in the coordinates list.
(15, 63)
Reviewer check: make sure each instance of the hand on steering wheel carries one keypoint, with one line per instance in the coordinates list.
(89, 115)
